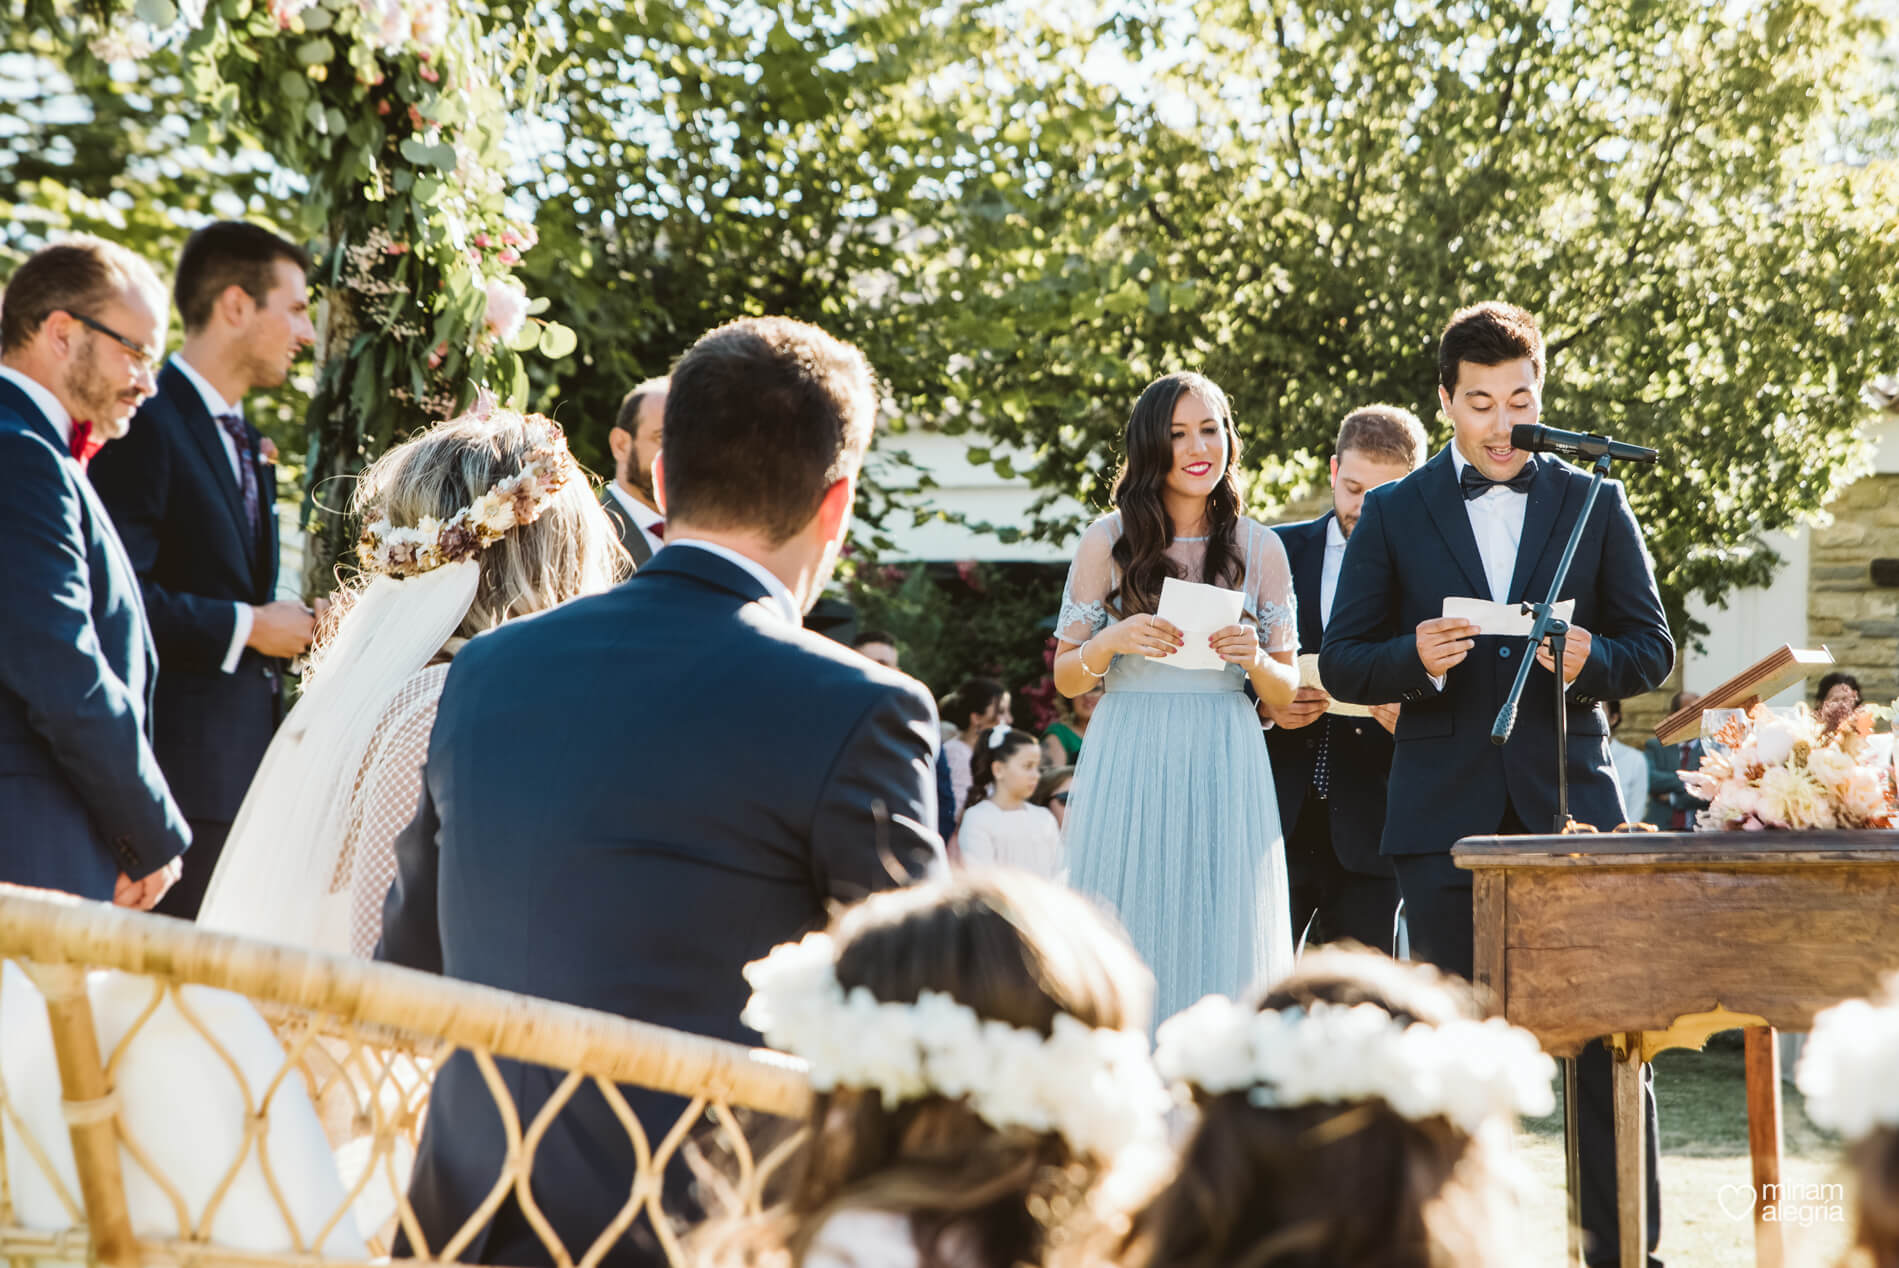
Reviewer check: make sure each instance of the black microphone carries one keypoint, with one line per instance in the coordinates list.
(1537, 438)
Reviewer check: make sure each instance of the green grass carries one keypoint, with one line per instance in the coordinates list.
(1701, 1100)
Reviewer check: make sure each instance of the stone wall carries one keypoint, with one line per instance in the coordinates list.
(1857, 620)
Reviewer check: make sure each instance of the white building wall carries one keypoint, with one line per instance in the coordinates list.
(974, 490)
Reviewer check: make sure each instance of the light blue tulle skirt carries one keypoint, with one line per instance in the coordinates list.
(1173, 821)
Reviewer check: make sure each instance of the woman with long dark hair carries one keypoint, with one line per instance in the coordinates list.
(1174, 819)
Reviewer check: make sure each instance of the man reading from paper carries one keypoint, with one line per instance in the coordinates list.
(1485, 520)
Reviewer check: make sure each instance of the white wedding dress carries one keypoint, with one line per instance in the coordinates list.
(186, 1110)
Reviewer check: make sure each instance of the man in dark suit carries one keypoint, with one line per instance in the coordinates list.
(1671, 807)
(1330, 771)
(83, 804)
(1483, 519)
(193, 499)
(626, 847)
(629, 499)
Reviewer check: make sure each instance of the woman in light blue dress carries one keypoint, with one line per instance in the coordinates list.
(1172, 818)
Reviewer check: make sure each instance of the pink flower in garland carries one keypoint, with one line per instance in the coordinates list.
(507, 308)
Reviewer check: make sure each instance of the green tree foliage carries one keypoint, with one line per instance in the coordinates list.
(1302, 194)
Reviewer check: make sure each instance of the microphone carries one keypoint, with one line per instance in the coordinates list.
(1537, 438)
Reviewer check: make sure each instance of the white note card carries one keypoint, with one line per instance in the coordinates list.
(1309, 677)
(1503, 619)
(1198, 610)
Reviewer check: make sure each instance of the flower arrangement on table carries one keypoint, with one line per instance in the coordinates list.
(1793, 769)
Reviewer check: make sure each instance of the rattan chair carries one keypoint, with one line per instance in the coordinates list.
(359, 1041)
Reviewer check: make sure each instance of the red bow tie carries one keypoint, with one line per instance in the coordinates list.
(84, 443)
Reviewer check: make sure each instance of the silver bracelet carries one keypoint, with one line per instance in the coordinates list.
(1081, 657)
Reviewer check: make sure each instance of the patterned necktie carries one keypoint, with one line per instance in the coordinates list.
(247, 470)
(1475, 483)
(1322, 760)
(84, 443)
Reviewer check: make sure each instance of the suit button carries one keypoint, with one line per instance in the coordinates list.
(1504, 652)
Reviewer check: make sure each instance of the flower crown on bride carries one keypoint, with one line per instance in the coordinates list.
(1097, 1088)
(513, 501)
(1468, 1072)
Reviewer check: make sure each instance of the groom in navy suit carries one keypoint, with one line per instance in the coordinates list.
(83, 805)
(1483, 519)
(1331, 771)
(194, 499)
(631, 796)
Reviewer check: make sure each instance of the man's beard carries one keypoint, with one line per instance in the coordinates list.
(637, 480)
(93, 398)
(1346, 526)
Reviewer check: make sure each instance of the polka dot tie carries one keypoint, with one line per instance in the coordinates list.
(1322, 761)
(246, 470)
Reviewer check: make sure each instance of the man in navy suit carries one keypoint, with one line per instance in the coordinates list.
(1330, 771)
(629, 498)
(83, 804)
(193, 499)
(1483, 519)
(631, 796)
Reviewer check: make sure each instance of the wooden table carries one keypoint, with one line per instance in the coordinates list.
(1658, 940)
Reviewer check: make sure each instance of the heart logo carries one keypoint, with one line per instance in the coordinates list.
(1737, 1200)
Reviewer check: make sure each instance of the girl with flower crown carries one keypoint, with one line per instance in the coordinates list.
(471, 523)
(1000, 824)
(1846, 1074)
(977, 1048)
(1359, 1116)
(1174, 819)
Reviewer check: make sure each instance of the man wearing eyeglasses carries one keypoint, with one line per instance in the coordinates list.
(193, 497)
(84, 807)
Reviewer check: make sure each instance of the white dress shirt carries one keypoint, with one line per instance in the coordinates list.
(215, 402)
(42, 396)
(1329, 571)
(644, 517)
(777, 593)
(1496, 520)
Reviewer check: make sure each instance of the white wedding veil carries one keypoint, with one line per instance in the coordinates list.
(278, 876)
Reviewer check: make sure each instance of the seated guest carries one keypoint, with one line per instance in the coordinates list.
(1061, 746)
(1837, 696)
(1051, 792)
(1007, 1075)
(1671, 807)
(1631, 767)
(1001, 825)
(879, 646)
(972, 709)
(1359, 1115)
(1845, 1073)
(312, 852)
(84, 806)
(576, 839)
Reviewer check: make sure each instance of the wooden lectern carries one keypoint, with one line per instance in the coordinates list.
(1659, 940)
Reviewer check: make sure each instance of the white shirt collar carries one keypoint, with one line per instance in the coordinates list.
(643, 515)
(43, 397)
(775, 590)
(212, 400)
(1334, 535)
(1459, 462)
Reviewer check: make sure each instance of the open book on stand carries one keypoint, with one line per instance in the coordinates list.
(1762, 680)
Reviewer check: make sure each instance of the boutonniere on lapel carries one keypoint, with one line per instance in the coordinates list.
(267, 450)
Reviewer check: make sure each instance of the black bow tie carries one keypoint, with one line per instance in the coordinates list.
(1475, 483)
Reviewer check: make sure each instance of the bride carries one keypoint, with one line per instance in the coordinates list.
(469, 524)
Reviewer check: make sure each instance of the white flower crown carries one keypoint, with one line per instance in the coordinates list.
(1846, 1068)
(1464, 1071)
(516, 500)
(1097, 1088)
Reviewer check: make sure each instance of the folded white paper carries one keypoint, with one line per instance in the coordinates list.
(1309, 677)
(1504, 619)
(1198, 610)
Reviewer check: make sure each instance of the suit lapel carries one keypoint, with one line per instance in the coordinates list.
(1445, 502)
(208, 442)
(1308, 580)
(1548, 493)
(630, 535)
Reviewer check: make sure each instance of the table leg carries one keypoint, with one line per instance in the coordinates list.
(1572, 1164)
(1763, 1139)
(1631, 1156)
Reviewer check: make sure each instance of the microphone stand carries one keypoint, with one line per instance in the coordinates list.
(1549, 625)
